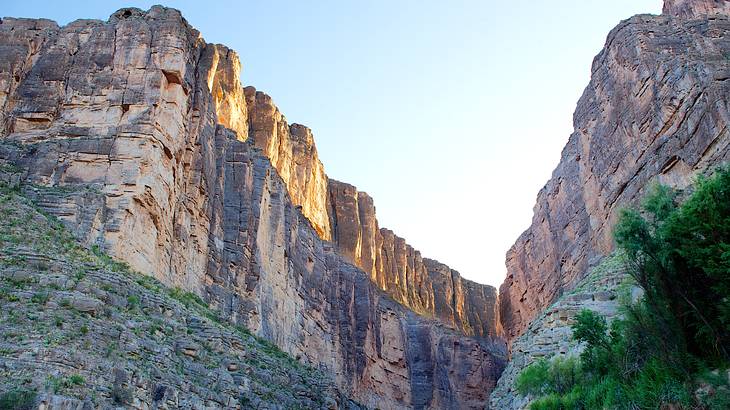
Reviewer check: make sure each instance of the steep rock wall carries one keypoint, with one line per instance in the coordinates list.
(130, 132)
(292, 152)
(341, 213)
(551, 335)
(695, 8)
(656, 110)
(426, 286)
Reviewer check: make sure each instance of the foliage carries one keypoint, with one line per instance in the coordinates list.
(17, 399)
(680, 256)
(546, 377)
(533, 379)
(58, 384)
(658, 353)
(590, 328)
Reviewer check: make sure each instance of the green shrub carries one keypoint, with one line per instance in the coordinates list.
(590, 327)
(549, 402)
(40, 298)
(533, 380)
(558, 376)
(654, 355)
(564, 374)
(77, 380)
(18, 399)
(680, 256)
(58, 384)
(132, 302)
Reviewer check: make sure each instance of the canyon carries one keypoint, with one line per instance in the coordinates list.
(148, 147)
(655, 111)
(141, 139)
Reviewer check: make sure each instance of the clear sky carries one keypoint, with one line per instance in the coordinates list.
(451, 114)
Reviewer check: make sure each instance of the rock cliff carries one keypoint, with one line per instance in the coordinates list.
(292, 152)
(139, 136)
(424, 285)
(550, 334)
(656, 110)
(81, 331)
(346, 216)
(695, 8)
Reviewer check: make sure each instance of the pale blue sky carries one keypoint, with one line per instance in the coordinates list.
(451, 114)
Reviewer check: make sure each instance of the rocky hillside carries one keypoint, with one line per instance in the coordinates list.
(656, 110)
(139, 137)
(79, 330)
(550, 334)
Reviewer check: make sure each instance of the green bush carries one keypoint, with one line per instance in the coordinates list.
(40, 298)
(590, 327)
(549, 402)
(558, 376)
(657, 354)
(18, 399)
(76, 380)
(533, 380)
(133, 302)
(680, 256)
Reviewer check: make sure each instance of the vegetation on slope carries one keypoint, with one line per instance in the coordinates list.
(669, 350)
(79, 328)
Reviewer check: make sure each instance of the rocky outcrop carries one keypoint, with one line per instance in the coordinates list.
(688, 9)
(550, 334)
(130, 131)
(656, 110)
(426, 286)
(292, 152)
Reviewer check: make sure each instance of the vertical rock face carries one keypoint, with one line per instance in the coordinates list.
(131, 131)
(695, 8)
(551, 334)
(292, 152)
(224, 82)
(656, 110)
(426, 286)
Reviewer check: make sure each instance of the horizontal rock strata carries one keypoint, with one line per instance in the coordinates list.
(656, 110)
(132, 132)
(426, 286)
(551, 335)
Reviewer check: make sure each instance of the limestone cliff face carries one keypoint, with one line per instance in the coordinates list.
(132, 132)
(695, 8)
(224, 82)
(656, 109)
(292, 152)
(339, 212)
(426, 286)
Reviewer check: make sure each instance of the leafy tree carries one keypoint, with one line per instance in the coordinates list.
(680, 256)
(590, 327)
(654, 356)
